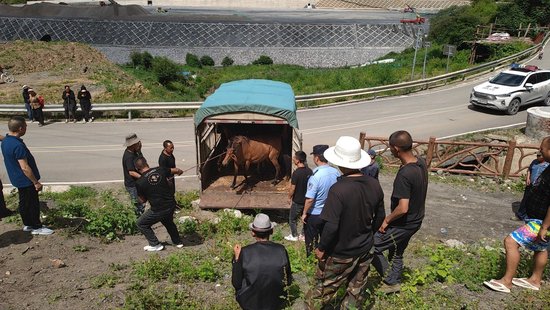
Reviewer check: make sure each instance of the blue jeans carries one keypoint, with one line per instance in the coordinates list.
(395, 240)
(140, 207)
(29, 111)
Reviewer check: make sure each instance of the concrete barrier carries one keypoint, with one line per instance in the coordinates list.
(250, 4)
(538, 122)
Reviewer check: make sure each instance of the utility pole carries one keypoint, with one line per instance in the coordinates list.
(426, 45)
(419, 35)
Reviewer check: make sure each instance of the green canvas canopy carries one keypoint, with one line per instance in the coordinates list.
(256, 96)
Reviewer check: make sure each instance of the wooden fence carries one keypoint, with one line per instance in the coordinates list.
(495, 158)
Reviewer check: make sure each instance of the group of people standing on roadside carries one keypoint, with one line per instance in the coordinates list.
(345, 226)
(154, 184)
(34, 104)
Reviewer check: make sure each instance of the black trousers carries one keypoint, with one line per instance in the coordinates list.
(312, 230)
(38, 115)
(70, 110)
(86, 107)
(150, 218)
(29, 207)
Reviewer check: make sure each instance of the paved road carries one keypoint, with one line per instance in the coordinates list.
(92, 152)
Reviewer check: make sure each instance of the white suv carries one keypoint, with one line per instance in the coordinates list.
(513, 88)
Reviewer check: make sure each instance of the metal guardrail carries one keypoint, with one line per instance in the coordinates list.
(423, 84)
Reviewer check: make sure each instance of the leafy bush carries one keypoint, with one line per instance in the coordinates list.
(230, 224)
(147, 60)
(105, 280)
(112, 220)
(227, 61)
(136, 58)
(192, 60)
(207, 61)
(185, 200)
(263, 60)
(165, 69)
(188, 227)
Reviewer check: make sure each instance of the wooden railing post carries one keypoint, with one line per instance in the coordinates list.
(362, 136)
(431, 148)
(509, 158)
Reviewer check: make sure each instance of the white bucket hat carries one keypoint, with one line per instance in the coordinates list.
(347, 153)
(131, 139)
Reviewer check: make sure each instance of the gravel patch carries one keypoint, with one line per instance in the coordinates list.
(307, 57)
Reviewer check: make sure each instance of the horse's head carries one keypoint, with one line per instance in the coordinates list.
(230, 151)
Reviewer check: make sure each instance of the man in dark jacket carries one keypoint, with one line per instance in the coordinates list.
(261, 271)
(26, 99)
(69, 104)
(353, 211)
(85, 99)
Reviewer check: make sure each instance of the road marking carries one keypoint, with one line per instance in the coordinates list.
(96, 182)
(480, 130)
(379, 120)
(96, 148)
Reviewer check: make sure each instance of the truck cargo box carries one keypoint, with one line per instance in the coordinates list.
(255, 109)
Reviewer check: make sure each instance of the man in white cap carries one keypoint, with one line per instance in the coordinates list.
(353, 211)
(261, 271)
(408, 201)
(132, 152)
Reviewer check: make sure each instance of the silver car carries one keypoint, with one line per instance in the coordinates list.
(513, 88)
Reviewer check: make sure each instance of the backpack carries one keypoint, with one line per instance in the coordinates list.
(41, 101)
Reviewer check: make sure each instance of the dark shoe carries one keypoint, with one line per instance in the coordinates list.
(389, 289)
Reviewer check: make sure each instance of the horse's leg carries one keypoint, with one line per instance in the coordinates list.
(274, 158)
(236, 166)
(246, 167)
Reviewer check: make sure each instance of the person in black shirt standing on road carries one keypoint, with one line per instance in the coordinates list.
(407, 212)
(297, 194)
(154, 186)
(167, 159)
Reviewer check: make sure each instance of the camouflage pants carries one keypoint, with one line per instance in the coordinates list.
(333, 273)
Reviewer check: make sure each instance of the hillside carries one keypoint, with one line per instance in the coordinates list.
(48, 66)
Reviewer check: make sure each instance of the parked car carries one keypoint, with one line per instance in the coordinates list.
(513, 88)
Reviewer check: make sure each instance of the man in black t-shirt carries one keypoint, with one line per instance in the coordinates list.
(131, 153)
(154, 186)
(167, 159)
(407, 212)
(297, 193)
(353, 211)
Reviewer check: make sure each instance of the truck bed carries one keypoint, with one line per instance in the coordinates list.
(260, 195)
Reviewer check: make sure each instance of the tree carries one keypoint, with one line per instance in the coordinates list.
(165, 70)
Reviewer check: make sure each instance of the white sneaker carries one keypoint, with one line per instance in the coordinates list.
(158, 247)
(179, 246)
(42, 231)
(27, 228)
(66, 121)
(291, 238)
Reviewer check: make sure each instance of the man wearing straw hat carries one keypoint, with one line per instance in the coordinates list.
(353, 211)
(261, 271)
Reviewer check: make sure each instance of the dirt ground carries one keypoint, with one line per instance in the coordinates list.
(29, 280)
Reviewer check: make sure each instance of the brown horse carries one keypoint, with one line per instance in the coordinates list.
(245, 151)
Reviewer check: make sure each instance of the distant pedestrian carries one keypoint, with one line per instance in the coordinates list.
(317, 190)
(85, 99)
(261, 271)
(167, 159)
(534, 171)
(24, 175)
(69, 104)
(297, 194)
(131, 154)
(27, 102)
(37, 104)
(353, 212)
(154, 186)
(408, 201)
(372, 169)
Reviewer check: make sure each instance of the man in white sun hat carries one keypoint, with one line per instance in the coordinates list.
(353, 211)
(261, 271)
